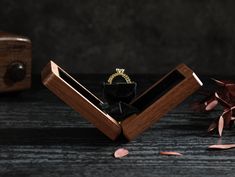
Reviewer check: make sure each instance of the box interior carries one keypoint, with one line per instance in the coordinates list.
(158, 90)
(82, 90)
(148, 98)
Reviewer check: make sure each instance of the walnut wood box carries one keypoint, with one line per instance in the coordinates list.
(155, 102)
(15, 62)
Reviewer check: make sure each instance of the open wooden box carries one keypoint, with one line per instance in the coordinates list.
(155, 102)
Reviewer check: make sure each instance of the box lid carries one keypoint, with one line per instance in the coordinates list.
(4, 36)
(79, 98)
(159, 99)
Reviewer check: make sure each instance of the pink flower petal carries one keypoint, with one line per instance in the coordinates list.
(121, 152)
(222, 146)
(170, 153)
(221, 125)
(211, 105)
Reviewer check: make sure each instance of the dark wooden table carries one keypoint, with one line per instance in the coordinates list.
(41, 136)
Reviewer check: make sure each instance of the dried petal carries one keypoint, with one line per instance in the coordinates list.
(121, 152)
(170, 153)
(221, 125)
(211, 105)
(222, 146)
(212, 126)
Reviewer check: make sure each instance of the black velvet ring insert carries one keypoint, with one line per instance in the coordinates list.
(119, 92)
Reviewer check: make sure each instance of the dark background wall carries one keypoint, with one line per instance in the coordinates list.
(143, 36)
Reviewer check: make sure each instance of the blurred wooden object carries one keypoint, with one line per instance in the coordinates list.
(15, 62)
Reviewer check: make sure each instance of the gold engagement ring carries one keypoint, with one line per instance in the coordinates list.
(119, 72)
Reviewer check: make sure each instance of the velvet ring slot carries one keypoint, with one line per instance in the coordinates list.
(151, 105)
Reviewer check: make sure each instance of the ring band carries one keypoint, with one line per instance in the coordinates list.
(119, 72)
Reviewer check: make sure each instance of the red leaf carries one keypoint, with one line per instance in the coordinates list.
(222, 101)
(231, 88)
(222, 146)
(221, 125)
(170, 153)
(121, 152)
(211, 105)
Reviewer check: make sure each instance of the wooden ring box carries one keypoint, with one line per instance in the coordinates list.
(15, 62)
(154, 103)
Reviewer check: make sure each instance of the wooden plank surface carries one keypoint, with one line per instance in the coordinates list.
(41, 136)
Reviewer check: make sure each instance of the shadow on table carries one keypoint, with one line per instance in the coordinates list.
(55, 136)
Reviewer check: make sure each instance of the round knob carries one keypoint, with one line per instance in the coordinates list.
(16, 71)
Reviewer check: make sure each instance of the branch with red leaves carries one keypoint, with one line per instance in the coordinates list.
(224, 96)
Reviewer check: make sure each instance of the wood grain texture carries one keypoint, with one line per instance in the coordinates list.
(135, 125)
(82, 100)
(40, 136)
(14, 48)
(52, 80)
